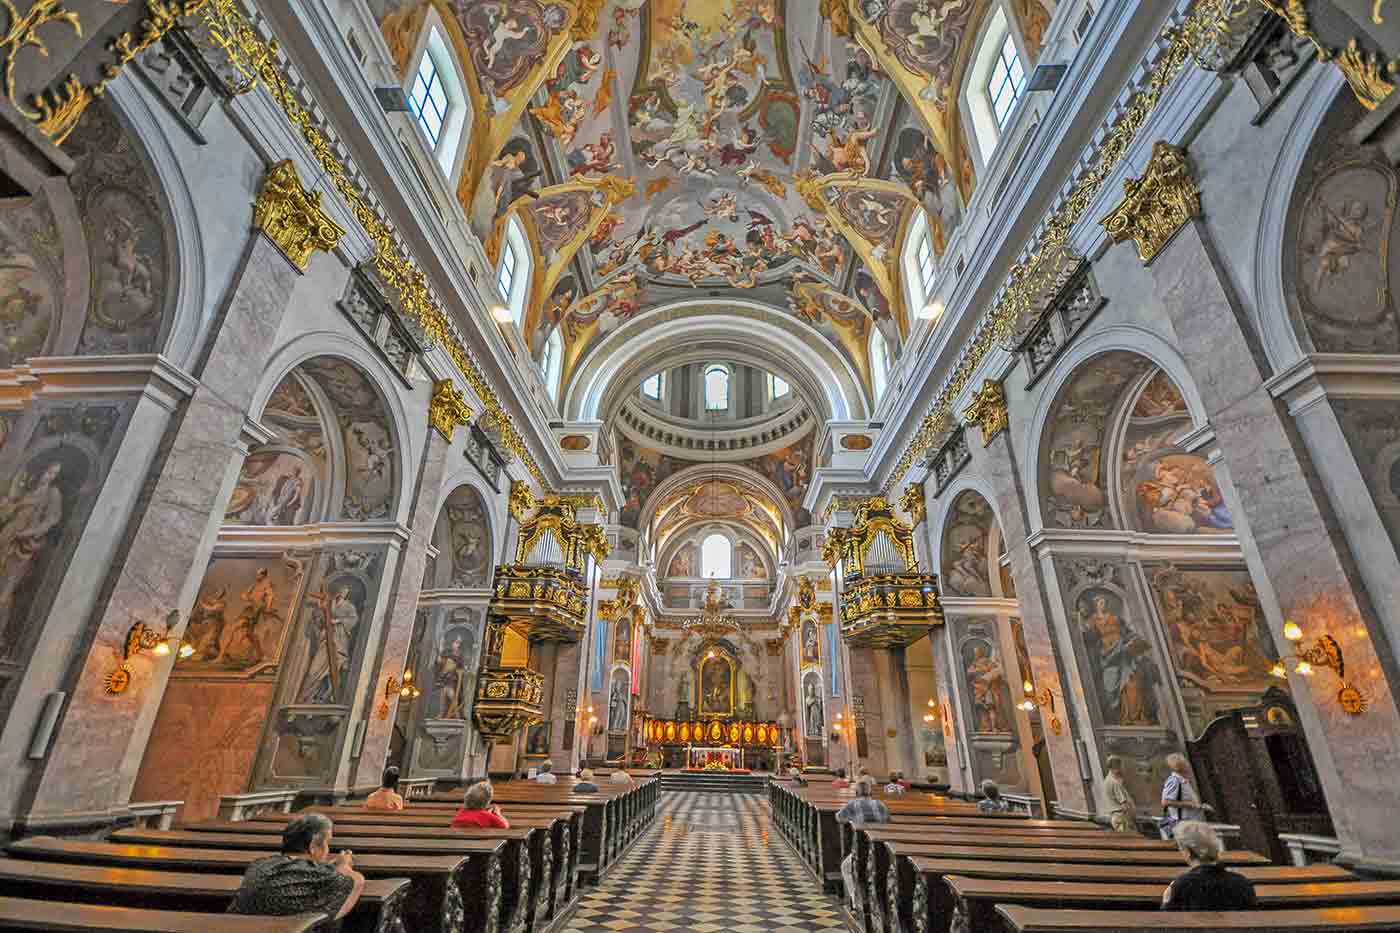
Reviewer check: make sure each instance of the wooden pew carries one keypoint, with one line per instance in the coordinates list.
(379, 909)
(441, 886)
(1314, 920)
(511, 847)
(918, 900)
(976, 899)
(21, 914)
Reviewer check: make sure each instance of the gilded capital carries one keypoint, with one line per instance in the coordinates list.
(988, 410)
(292, 217)
(1156, 205)
(912, 502)
(521, 500)
(448, 408)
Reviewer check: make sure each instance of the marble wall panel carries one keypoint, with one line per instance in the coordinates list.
(1373, 433)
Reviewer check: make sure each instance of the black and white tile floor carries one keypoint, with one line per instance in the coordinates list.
(712, 864)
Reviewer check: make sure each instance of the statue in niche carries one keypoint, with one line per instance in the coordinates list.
(812, 710)
(450, 677)
(810, 651)
(27, 516)
(617, 706)
(331, 629)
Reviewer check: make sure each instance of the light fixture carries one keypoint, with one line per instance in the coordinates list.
(406, 688)
(1325, 653)
(1044, 698)
(502, 314)
(141, 637)
(931, 311)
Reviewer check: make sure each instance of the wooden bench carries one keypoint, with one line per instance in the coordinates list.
(511, 847)
(1314, 920)
(21, 914)
(441, 886)
(918, 900)
(379, 909)
(976, 899)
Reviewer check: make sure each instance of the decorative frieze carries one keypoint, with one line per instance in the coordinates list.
(949, 460)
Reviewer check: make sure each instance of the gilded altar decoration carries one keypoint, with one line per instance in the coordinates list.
(718, 732)
(912, 502)
(292, 217)
(988, 410)
(448, 408)
(713, 620)
(1156, 205)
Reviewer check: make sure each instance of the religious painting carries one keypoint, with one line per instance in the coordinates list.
(508, 39)
(537, 739)
(619, 699)
(1215, 626)
(642, 469)
(47, 490)
(751, 566)
(683, 562)
(790, 469)
(371, 458)
(1119, 658)
(985, 678)
(453, 666)
(811, 653)
(1023, 657)
(513, 173)
(622, 639)
(276, 486)
(557, 218)
(240, 615)
(873, 214)
(966, 547)
(1074, 479)
(334, 611)
(843, 86)
(31, 277)
(868, 293)
(467, 538)
(717, 686)
(1034, 19)
(813, 711)
(925, 37)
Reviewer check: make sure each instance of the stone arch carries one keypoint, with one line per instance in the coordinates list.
(1079, 420)
(464, 540)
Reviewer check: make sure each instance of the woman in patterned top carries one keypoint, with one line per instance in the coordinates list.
(304, 878)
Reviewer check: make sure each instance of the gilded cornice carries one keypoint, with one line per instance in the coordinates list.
(292, 217)
(1156, 205)
(448, 408)
(1179, 44)
(988, 410)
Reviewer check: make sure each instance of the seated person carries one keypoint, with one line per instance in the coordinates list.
(585, 783)
(896, 784)
(546, 774)
(992, 801)
(860, 810)
(478, 811)
(304, 878)
(1208, 885)
(387, 797)
(620, 777)
(840, 783)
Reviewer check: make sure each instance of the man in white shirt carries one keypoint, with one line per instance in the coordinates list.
(546, 775)
(620, 777)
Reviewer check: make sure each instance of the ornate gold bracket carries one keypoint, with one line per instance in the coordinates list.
(912, 502)
(448, 408)
(292, 217)
(1156, 205)
(988, 411)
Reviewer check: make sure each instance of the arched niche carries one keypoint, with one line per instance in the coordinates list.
(464, 541)
(334, 454)
(971, 550)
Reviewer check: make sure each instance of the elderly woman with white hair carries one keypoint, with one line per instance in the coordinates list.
(1180, 802)
(1208, 885)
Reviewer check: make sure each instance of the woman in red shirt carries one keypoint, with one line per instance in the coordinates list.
(478, 812)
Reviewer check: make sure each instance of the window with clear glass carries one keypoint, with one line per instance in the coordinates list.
(716, 557)
(716, 388)
(927, 268)
(777, 386)
(551, 360)
(1007, 81)
(505, 274)
(651, 387)
(428, 99)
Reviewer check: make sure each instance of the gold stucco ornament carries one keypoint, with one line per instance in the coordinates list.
(448, 408)
(1352, 701)
(1156, 205)
(292, 217)
(988, 410)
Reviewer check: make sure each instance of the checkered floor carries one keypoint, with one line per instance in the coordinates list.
(710, 864)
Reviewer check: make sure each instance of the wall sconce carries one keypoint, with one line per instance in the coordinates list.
(406, 689)
(1325, 653)
(141, 637)
(1044, 698)
(929, 716)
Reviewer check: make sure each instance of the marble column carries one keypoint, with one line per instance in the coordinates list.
(950, 722)
(1310, 574)
(403, 610)
(565, 688)
(996, 461)
(869, 666)
(100, 738)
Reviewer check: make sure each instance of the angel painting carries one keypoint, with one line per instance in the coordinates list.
(1344, 234)
(594, 158)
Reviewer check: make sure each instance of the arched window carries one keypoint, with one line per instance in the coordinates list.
(716, 557)
(437, 101)
(996, 81)
(651, 386)
(1007, 81)
(513, 270)
(716, 388)
(920, 266)
(879, 363)
(552, 362)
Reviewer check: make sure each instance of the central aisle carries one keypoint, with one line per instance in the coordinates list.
(711, 865)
